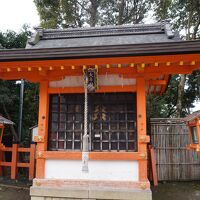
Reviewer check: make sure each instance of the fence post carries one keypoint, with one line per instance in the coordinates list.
(14, 160)
(153, 166)
(1, 160)
(32, 161)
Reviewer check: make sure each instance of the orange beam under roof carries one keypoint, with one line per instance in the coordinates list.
(52, 69)
(159, 59)
(150, 67)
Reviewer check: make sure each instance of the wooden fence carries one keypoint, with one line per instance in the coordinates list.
(14, 164)
(170, 137)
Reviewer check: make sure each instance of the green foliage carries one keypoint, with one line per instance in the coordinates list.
(11, 39)
(162, 9)
(30, 110)
(78, 13)
(123, 12)
(162, 106)
(192, 91)
(10, 98)
(10, 91)
(185, 15)
(55, 14)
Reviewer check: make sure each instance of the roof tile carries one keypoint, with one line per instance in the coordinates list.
(105, 35)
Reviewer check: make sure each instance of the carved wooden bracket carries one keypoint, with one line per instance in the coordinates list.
(144, 139)
(143, 156)
(39, 154)
(39, 139)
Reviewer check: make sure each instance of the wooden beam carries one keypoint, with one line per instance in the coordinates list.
(114, 156)
(153, 165)
(166, 78)
(6, 164)
(26, 165)
(101, 89)
(157, 82)
(32, 162)
(186, 58)
(57, 74)
(14, 161)
(61, 155)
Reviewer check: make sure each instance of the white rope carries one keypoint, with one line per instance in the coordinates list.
(85, 107)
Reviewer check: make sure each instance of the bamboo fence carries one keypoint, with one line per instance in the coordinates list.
(170, 137)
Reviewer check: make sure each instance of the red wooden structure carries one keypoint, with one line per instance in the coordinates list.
(152, 166)
(134, 60)
(193, 122)
(15, 150)
(14, 164)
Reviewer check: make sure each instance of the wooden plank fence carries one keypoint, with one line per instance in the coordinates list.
(169, 137)
(14, 164)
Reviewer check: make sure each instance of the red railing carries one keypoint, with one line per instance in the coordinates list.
(14, 163)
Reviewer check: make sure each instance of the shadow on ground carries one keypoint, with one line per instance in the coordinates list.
(177, 191)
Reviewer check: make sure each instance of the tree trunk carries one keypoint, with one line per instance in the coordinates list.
(121, 12)
(189, 25)
(93, 12)
(12, 129)
(179, 104)
(196, 27)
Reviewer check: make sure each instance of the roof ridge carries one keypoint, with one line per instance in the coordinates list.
(158, 24)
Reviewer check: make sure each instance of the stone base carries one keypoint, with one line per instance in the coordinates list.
(111, 190)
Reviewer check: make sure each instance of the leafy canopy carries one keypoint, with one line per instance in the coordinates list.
(9, 90)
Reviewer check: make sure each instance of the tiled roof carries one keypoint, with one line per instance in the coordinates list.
(167, 48)
(100, 36)
(192, 116)
(3, 120)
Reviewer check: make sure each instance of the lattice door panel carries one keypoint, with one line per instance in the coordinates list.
(111, 122)
(66, 122)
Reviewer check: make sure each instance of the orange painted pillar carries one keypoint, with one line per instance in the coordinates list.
(153, 166)
(14, 160)
(42, 128)
(198, 134)
(1, 145)
(141, 127)
(1, 160)
(198, 129)
(32, 162)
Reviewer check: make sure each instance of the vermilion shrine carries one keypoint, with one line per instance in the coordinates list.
(92, 136)
(193, 122)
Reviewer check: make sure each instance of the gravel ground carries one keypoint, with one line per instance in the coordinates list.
(165, 191)
(13, 193)
(177, 191)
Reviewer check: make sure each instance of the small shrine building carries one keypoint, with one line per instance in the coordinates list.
(125, 63)
(193, 123)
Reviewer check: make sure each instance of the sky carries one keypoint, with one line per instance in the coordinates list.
(15, 13)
